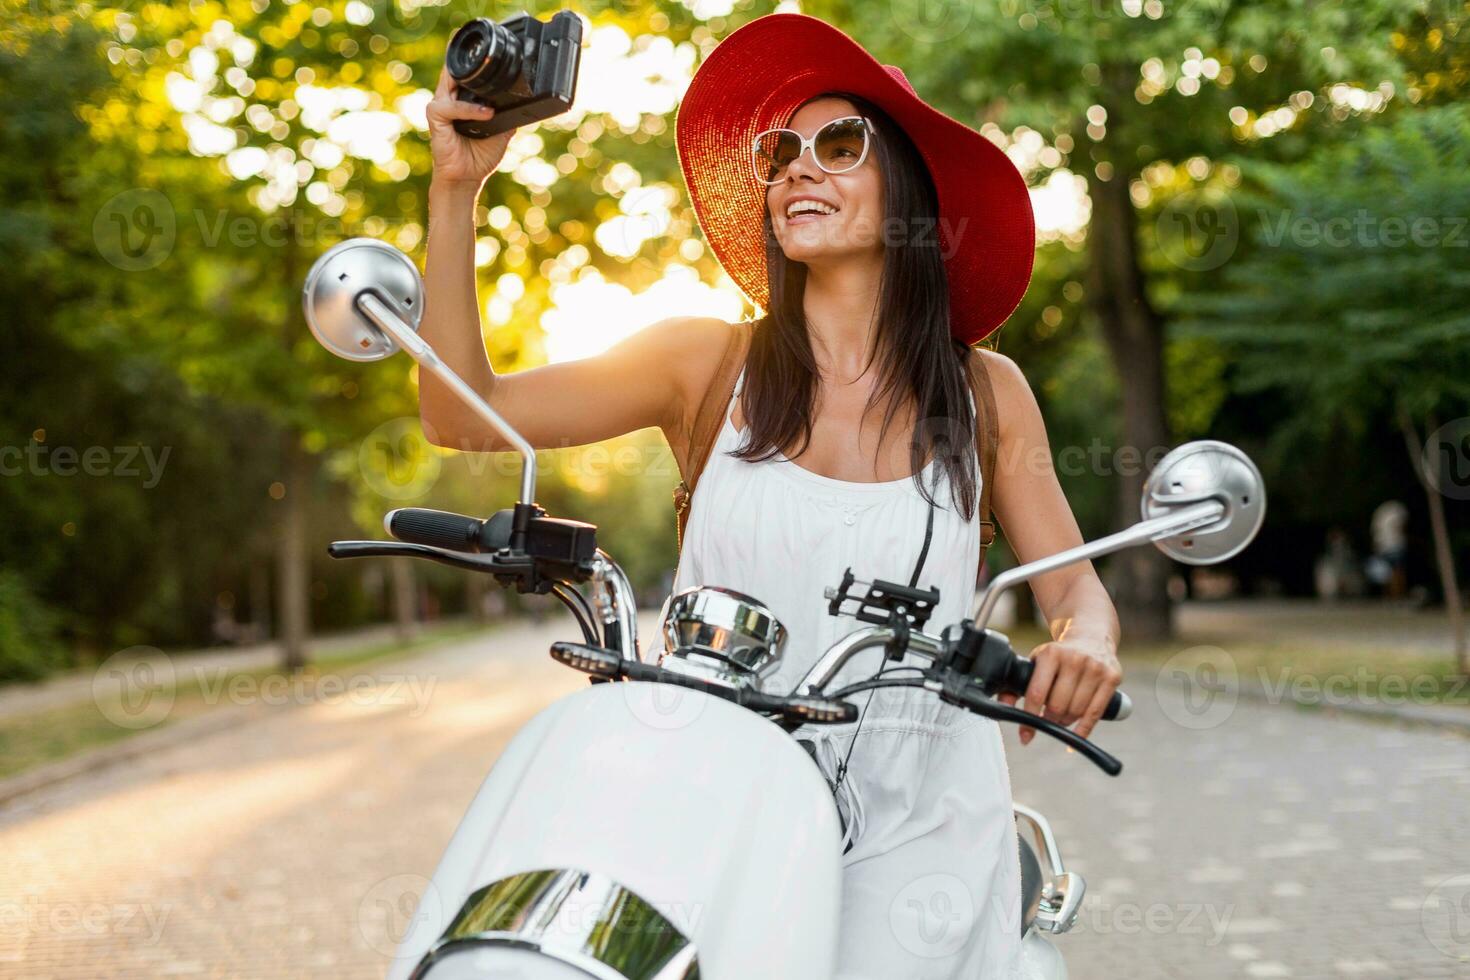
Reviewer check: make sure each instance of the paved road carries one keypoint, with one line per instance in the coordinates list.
(1278, 843)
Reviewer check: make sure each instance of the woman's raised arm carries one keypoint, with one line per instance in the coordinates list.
(653, 378)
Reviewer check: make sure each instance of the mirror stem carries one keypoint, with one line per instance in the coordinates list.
(386, 320)
(1187, 519)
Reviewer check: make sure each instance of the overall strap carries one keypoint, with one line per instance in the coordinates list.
(987, 439)
(709, 419)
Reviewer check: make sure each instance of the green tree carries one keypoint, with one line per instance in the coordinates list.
(1355, 301)
(1114, 89)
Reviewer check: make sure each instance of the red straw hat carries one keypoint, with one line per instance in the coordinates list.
(756, 78)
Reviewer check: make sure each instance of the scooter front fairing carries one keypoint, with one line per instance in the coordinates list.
(626, 816)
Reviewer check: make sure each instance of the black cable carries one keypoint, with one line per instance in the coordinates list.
(870, 683)
(586, 606)
(924, 551)
(565, 594)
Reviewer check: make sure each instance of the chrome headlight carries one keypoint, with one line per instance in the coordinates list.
(723, 636)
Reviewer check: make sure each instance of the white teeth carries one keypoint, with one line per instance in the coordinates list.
(804, 207)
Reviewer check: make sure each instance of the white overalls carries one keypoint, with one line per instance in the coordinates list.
(931, 885)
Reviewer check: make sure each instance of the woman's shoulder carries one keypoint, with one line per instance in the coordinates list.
(1008, 384)
(1005, 374)
(690, 350)
(996, 363)
(693, 347)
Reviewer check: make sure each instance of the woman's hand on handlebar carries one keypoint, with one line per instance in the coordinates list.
(1072, 683)
(459, 159)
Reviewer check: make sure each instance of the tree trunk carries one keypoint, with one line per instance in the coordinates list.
(1134, 333)
(293, 570)
(260, 601)
(405, 599)
(1439, 528)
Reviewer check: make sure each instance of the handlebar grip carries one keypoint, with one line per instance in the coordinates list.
(436, 528)
(1119, 707)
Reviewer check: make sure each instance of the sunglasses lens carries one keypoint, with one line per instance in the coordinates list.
(773, 152)
(840, 145)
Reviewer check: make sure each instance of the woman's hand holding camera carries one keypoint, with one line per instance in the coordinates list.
(459, 161)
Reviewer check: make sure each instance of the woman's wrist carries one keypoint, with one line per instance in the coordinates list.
(442, 190)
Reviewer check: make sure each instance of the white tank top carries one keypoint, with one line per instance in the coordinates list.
(783, 535)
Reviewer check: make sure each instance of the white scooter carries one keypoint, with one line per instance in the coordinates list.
(664, 822)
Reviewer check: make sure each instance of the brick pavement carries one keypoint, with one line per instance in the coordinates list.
(1276, 842)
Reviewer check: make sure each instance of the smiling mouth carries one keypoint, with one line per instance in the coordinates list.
(809, 211)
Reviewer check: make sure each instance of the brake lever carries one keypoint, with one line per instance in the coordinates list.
(401, 549)
(973, 699)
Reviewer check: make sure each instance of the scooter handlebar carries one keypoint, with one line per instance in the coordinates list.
(1119, 708)
(443, 529)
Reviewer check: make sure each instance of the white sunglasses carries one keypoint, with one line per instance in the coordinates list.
(838, 146)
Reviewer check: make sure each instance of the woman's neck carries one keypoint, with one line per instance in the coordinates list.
(840, 302)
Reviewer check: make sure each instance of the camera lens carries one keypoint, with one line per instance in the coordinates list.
(484, 57)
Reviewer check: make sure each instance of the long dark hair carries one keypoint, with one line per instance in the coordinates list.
(918, 357)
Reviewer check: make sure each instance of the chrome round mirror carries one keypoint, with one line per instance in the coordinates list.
(342, 274)
(1207, 470)
(723, 636)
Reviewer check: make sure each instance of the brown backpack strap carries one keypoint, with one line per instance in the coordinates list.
(987, 439)
(708, 420)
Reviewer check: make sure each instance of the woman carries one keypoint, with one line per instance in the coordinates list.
(884, 239)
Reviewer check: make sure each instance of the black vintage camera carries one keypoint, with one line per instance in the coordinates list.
(524, 68)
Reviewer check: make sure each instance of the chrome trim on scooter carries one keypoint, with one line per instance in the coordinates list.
(723, 636)
(1061, 896)
(617, 604)
(838, 654)
(1169, 524)
(585, 920)
(386, 320)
